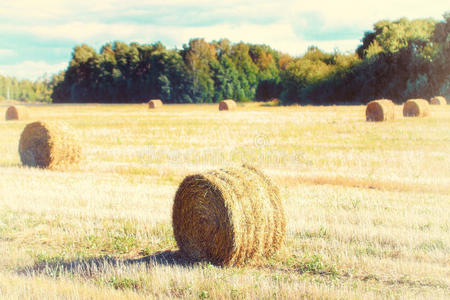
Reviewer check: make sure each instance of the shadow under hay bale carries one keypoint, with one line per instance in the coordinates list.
(416, 108)
(16, 113)
(154, 103)
(227, 105)
(48, 145)
(438, 100)
(380, 110)
(228, 216)
(88, 267)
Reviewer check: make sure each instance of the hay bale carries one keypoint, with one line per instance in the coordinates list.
(48, 145)
(16, 113)
(228, 216)
(416, 108)
(438, 100)
(154, 103)
(380, 110)
(227, 105)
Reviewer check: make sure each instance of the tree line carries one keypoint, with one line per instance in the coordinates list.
(201, 72)
(397, 59)
(25, 90)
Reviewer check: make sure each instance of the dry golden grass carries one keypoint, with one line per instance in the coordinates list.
(387, 185)
(366, 204)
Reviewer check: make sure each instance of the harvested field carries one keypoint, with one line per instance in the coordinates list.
(366, 204)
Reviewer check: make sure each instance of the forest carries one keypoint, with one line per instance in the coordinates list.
(396, 59)
(26, 90)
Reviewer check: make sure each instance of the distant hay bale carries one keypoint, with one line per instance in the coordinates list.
(48, 145)
(228, 216)
(438, 100)
(155, 103)
(380, 110)
(227, 105)
(16, 113)
(416, 108)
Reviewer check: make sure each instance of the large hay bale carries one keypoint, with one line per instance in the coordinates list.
(228, 216)
(227, 105)
(48, 145)
(154, 103)
(380, 110)
(438, 100)
(16, 113)
(416, 108)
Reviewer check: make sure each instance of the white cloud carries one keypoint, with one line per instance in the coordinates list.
(23, 10)
(343, 46)
(364, 14)
(279, 24)
(335, 12)
(6, 52)
(280, 36)
(31, 69)
(81, 21)
(83, 32)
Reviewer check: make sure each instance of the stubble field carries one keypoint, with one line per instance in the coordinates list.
(367, 204)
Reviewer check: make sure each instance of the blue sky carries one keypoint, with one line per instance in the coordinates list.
(37, 37)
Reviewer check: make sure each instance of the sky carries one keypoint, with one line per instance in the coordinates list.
(37, 37)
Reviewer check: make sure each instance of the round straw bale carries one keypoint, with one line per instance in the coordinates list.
(154, 103)
(16, 113)
(438, 100)
(380, 110)
(228, 216)
(227, 105)
(48, 145)
(416, 108)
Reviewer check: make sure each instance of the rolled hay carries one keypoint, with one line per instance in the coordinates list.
(16, 113)
(438, 100)
(380, 110)
(227, 105)
(228, 216)
(49, 145)
(155, 103)
(416, 108)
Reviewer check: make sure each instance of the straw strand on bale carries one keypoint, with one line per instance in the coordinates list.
(49, 145)
(227, 105)
(228, 216)
(16, 113)
(438, 100)
(416, 108)
(155, 103)
(380, 110)
(279, 228)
